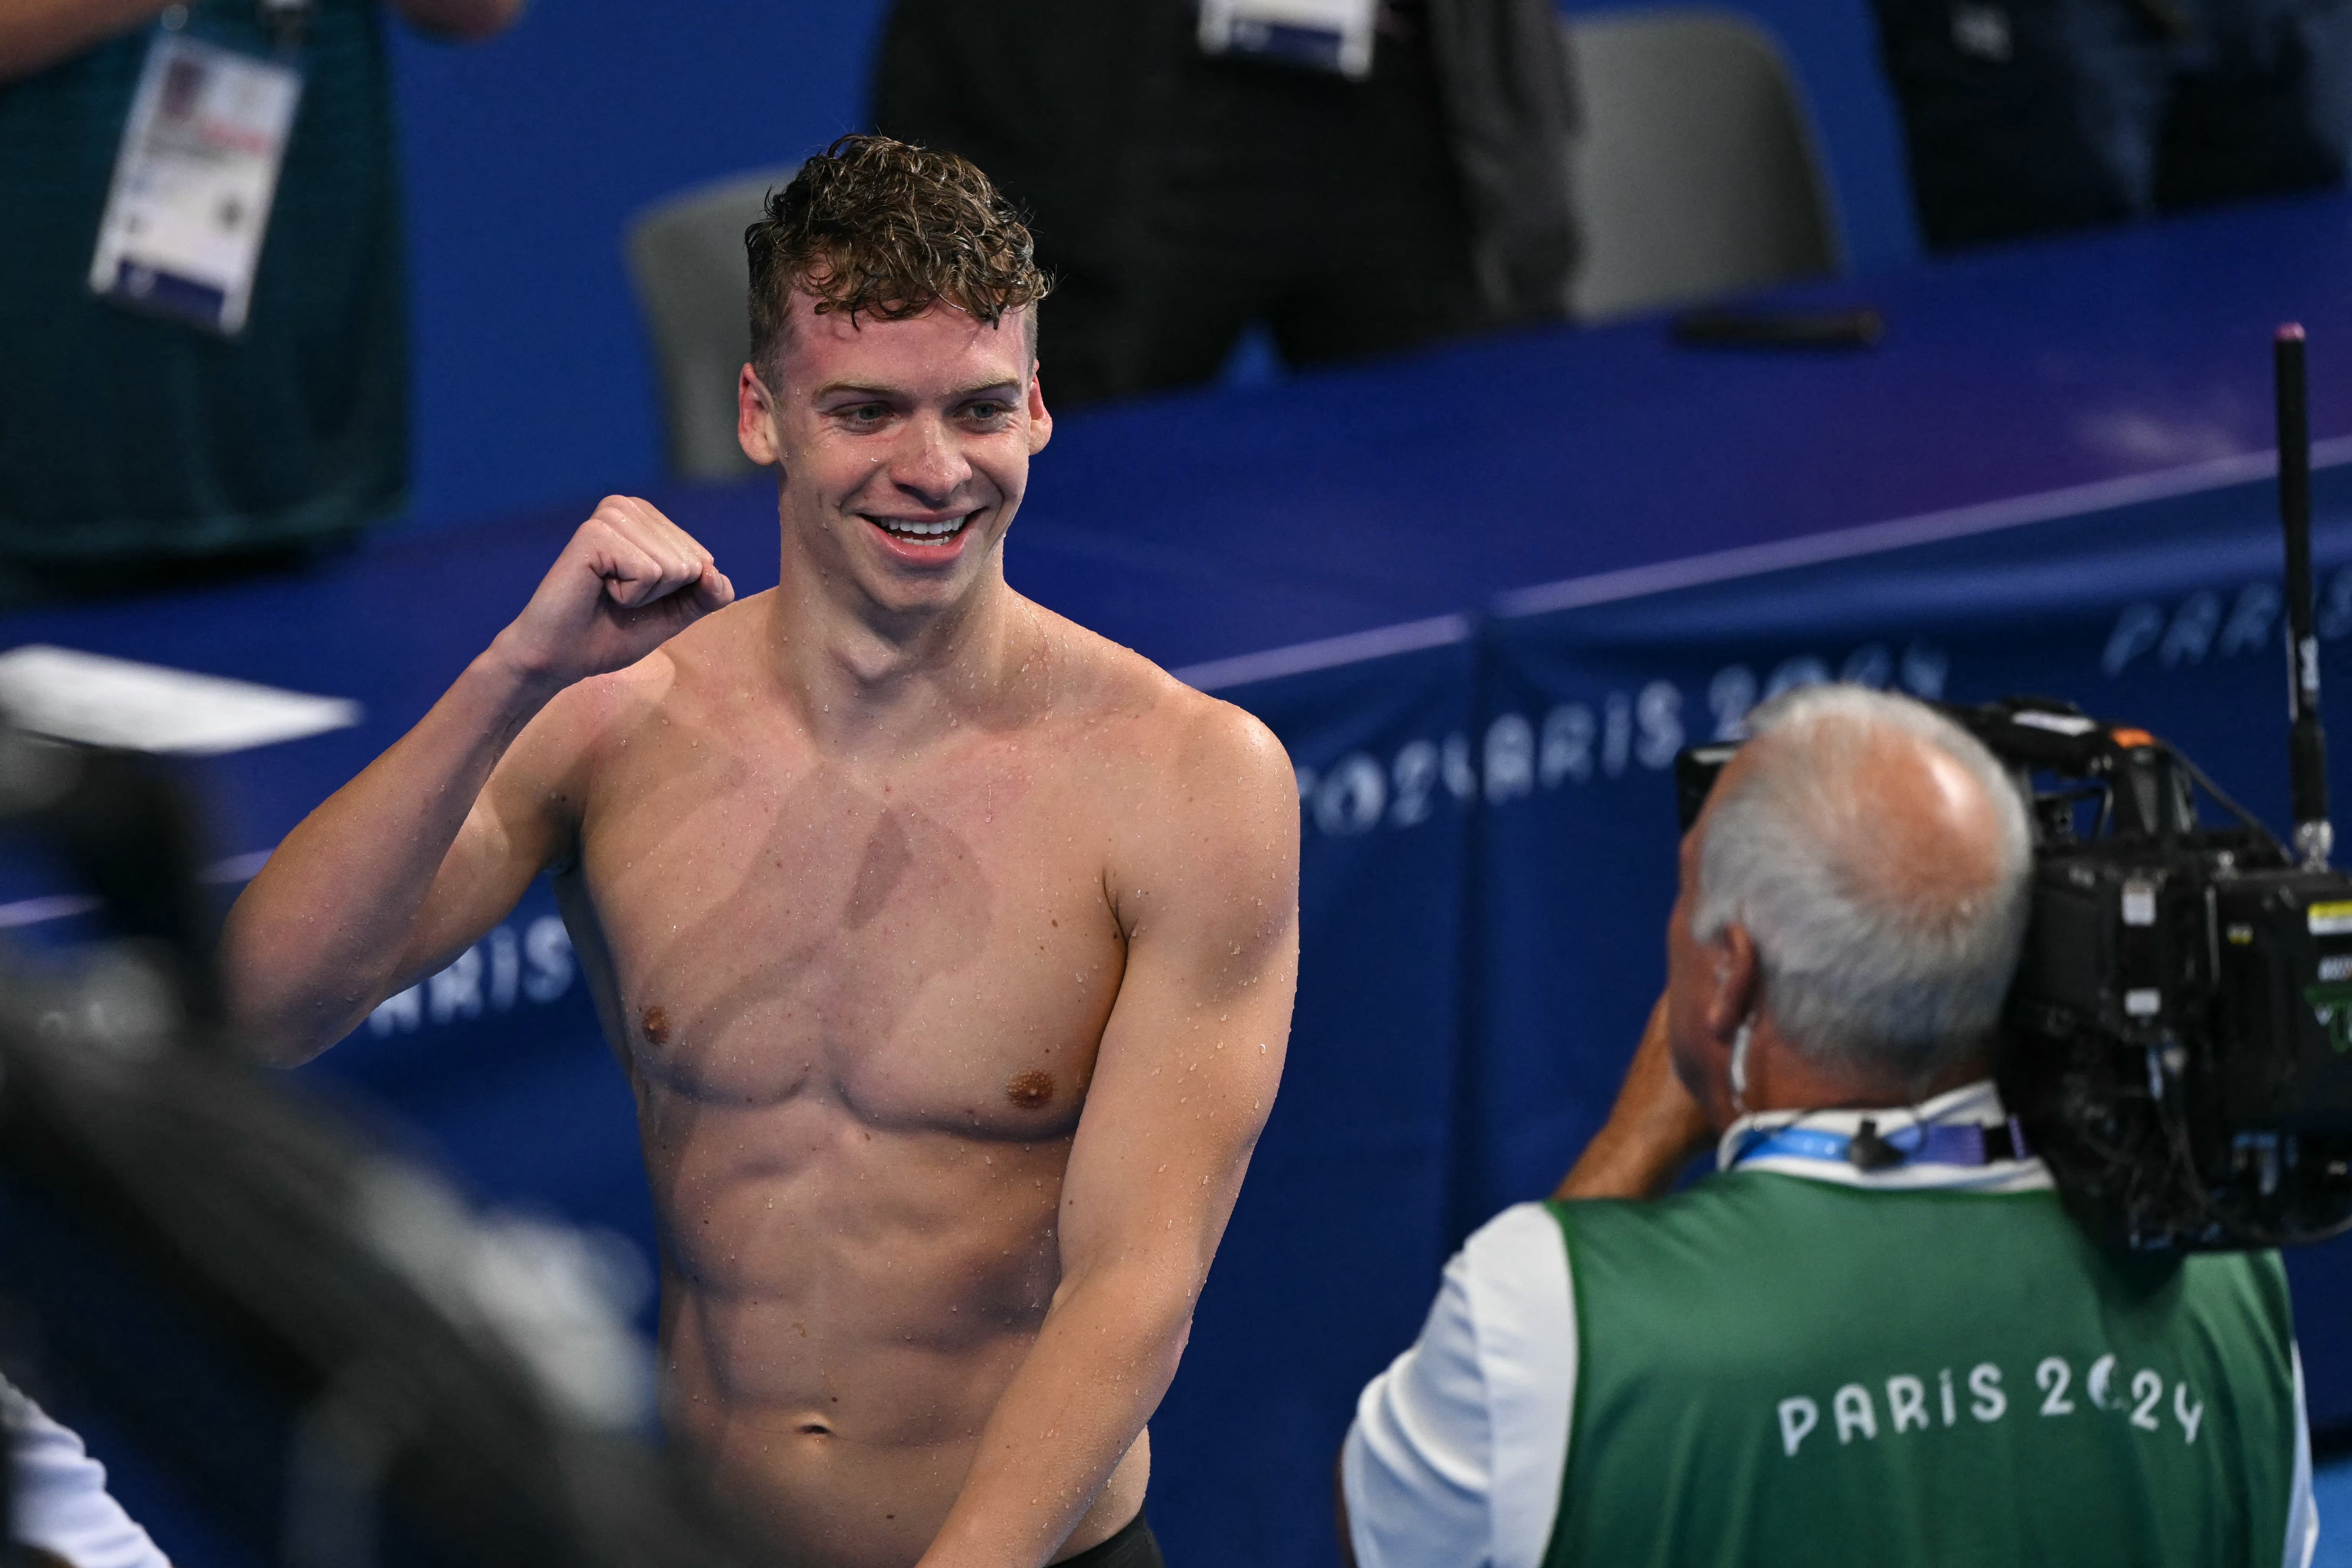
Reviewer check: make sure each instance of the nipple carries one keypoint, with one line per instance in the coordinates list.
(655, 1024)
(1031, 1090)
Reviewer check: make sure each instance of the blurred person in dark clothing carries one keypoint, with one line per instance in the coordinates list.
(1181, 195)
(2025, 116)
(1041, 94)
(166, 420)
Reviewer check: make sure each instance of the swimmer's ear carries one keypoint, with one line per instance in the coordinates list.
(1041, 422)
(755, 419)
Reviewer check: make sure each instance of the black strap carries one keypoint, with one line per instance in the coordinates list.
(2006, 1140)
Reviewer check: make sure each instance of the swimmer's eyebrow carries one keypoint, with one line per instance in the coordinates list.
(1007, 388)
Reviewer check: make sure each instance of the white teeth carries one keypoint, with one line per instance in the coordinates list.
(910, 529)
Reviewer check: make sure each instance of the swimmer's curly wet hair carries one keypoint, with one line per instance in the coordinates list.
(881, 226)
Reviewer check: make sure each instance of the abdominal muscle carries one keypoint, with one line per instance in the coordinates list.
(860, 1023)
(842, 1304)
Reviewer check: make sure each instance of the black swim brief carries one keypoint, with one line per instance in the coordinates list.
(1134, 1547)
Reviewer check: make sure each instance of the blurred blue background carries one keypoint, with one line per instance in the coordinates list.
(525, 158)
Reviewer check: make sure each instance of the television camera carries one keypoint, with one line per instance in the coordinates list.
(2177, 1040)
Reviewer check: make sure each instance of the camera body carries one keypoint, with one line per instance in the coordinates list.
(2177, 1038)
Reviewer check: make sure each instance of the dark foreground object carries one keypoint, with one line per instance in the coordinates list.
(1134, 1547)
(298, 1322)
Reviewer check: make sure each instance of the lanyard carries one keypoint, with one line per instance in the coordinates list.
(202, 146)
(1939, 1143)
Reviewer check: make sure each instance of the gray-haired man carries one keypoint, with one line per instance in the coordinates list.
(1873, 1336)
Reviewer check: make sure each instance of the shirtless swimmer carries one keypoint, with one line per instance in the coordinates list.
(949, 948)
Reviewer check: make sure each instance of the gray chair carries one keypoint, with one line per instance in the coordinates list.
(686, 256)
(1697, 172)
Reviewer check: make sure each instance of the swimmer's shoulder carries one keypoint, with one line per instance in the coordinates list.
(1182, 739)
(1206, 801)
(587, 725)
(563, 764)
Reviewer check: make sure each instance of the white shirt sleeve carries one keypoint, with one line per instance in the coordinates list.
(60, 1503)
(1457, 1451)
(2302, 1510)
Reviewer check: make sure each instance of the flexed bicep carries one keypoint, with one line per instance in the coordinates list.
(520, 825)
(372, 892)
(420, 855)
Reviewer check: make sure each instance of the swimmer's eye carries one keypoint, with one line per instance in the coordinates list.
(988, 411)
(869, 413)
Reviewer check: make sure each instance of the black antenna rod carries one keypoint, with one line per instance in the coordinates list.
(2307, 744)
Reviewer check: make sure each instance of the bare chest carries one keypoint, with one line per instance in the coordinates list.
(929, 948)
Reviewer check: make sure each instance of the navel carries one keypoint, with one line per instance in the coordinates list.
(655, 1024)
(1031, 1090)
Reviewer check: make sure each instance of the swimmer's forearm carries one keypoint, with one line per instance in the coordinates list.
(319, 936)
(1103, 1361)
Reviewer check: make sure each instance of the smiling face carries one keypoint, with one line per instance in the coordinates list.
(904, 447)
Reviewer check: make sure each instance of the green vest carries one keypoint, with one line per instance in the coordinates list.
(123, 437)
(1774, 1369)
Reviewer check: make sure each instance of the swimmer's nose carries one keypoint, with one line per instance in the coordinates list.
(928, 464)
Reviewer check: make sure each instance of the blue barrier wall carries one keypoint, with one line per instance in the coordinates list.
(1488, 833)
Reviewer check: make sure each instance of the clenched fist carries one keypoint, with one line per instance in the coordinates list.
(628, 582)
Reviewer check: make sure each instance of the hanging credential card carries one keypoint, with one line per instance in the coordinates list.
(193, 183)
(1322, 35)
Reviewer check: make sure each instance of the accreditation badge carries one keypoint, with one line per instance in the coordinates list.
(1333, 36)
(193, 183)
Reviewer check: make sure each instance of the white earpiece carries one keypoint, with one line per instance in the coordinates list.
(1739, 1044)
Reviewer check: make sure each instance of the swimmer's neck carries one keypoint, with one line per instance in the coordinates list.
(865, 677)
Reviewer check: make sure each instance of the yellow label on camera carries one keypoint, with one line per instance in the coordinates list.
(2331, 918)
